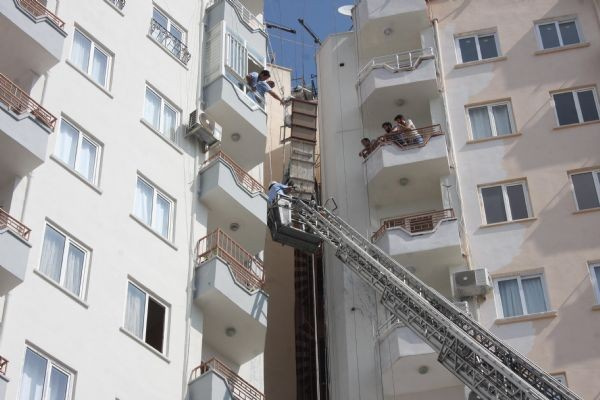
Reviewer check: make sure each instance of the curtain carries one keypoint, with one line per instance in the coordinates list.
(502, 119)
(161, 219)
(510, 297)
(169, 122)
(143, 201)
(80, 54)
(66, 148)
(52, 253)
(152, 109)
(34, 372)
(134, 314)
(480, 122)
(59, 384)
(74, 270)
(534, 295)
(99, 67)
(86, 162)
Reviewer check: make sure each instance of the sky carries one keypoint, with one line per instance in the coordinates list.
(298, 51)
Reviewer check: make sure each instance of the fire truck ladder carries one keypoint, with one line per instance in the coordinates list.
(481, 361)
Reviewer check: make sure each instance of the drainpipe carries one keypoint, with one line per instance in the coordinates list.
(200, 99)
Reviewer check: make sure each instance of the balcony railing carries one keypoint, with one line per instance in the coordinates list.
(169, 41)
(3, 365)
(415, 224)
(247, 269)
(38, 11)
(6, 221)
(240, 388)
(243, 179)
(20, 103)
(120, 4)
(245, 15)
(405, 61)
(241, 84)
(408, 139)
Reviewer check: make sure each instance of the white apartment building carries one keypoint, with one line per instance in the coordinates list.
(130, 252)
(501, 174)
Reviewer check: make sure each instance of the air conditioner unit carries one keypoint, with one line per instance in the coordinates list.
(475, 282)
(463, 306)
(205, 128)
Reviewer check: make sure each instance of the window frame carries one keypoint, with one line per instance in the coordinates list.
(492, 119)
(164, 102)
(595, 176)
(170, 23)
(476, 36)
(51, 362)
(519, 278)
(595, 284)
(102, 49)
(69, 240)
(156, 192)
(507, 209)
(81, 135)
(557, 22)
(577, 105)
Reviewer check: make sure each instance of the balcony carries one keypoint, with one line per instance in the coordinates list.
(213, 380)
(3, 378)
(24, 129)
(235, 200)
(120, 4)
(251, 21)
(33, 36)
(229, 282)
(14, 252)
(169, 42)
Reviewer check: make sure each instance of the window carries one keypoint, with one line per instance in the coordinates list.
(78, 151)
(90, 58)
(64, 261)
(595, 275)
(576, 107)
(477, 47)
(167, 33)
(491, 120)
(586, 186)
(153, 208)
(521, 295)
(44, 379)
(160, 114)
(145, 317)
(505, 202)
(558, 33)
(239, 62)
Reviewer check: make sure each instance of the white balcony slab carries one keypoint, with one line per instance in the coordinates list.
(398, 242)
(210, 386)
(227, 304)
(14, 253)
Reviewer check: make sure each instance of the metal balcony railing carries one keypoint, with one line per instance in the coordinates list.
(253, 23)
(405, 61)
(169, 41)
(39, 12)
(247, 269)
(415, 224)
(240, 388)
(408, 139)
(120, 4)
(20, 103)
(3, 365)
(6, 221)
(240, 82)
(242, 178)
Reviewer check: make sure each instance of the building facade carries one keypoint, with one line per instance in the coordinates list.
(133, 212)
(501, 174)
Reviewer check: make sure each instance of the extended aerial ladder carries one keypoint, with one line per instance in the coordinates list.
(490, 368)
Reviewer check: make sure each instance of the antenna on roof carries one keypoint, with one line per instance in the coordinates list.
(310, 31)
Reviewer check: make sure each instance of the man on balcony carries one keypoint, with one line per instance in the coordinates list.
(258, 84)
(408, 130)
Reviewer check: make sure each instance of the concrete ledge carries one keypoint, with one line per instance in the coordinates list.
(210, 386)
(525, 318)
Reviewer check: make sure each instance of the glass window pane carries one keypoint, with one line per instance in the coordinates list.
(80, 54)
(156, 324)
(169, 122)
(99, 67)
(568, 32)
(596, 271)
(176, 32)
(487, 46)
(52, 253)
(59, 383)
(152, 109)
(134, 311)
(66, 146)
(86, 162)
(74, 270)
(468, 49)
(160, 18)
(549, 35)
(34, 375)
(510, 298)
(493, 203)
(585, 191)
(534, 295)
(161, 220)
(587, 104)
(143, 201)
(565, 108)
(516, 199)
(480, 122)
(502, 119)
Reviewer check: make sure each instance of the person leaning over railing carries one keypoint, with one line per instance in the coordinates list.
(367, 147)
(258, 84)
(408, 130)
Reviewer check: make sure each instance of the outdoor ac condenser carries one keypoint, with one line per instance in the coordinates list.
(204, 128)
(474, 282)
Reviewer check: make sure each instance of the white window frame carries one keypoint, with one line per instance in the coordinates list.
(163, 103)
(50, 363)
(507, 209)
(170, 23)
(157, 299)
(498, 297)
(476, 37)
(595, 283)
(577, 105)
(81, 135)
(556, 23)
(492, 119)
(595, 173)
(69, 240)
(95, 45)
(155, 193)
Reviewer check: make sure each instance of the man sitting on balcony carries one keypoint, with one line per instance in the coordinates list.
(258, 84)
(408, 130)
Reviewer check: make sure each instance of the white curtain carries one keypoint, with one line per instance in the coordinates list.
(34, 372)
(134, 314)
(169, 122)
(534, 295)
(66, 148)
(510, 297)
(143, 202)
(80, 55)
(480, 122)
(502, 119)
(86, 162)
(52, 253)
(59, 384)
(152, 109)
(99, 67)
(161, 219)
(74, 270)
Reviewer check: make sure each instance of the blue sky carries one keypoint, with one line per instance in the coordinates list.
(297, 51)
